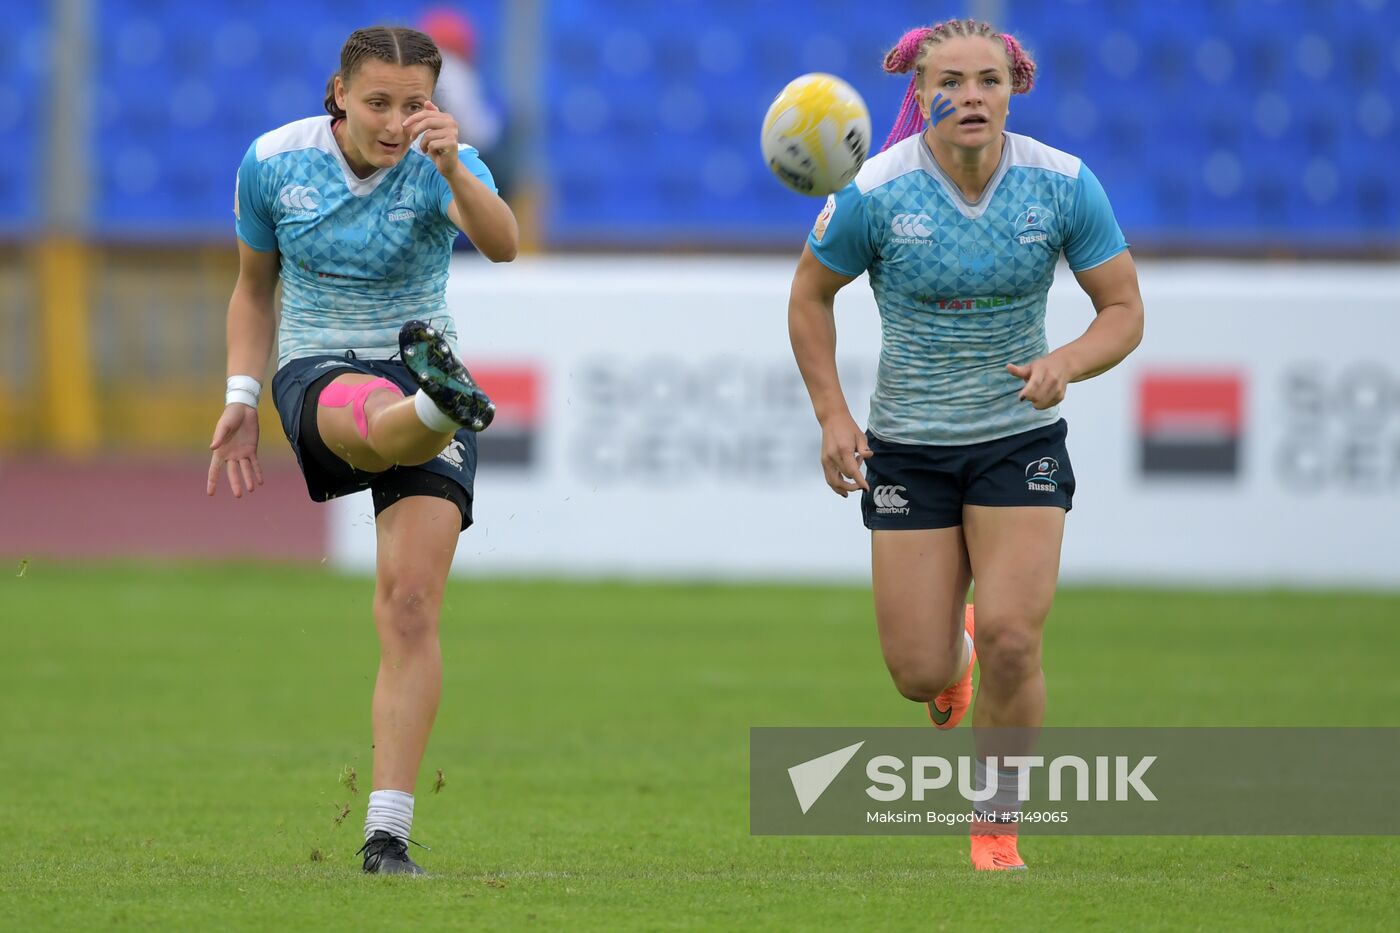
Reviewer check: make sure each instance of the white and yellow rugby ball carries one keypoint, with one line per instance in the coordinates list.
(816, 134)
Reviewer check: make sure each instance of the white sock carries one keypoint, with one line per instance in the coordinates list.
(432, 416)
(391, 811)
(967, 640)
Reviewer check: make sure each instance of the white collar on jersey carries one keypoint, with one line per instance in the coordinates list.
(969, 209)
(359, 187)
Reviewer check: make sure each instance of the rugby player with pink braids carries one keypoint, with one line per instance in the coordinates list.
(966, 476)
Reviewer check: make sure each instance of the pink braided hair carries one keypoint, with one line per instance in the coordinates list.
(900, 60)
(1022, 67)
(905, 55)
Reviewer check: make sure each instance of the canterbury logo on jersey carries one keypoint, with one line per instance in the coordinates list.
(300, 198)
(888, 500)
(911, 225)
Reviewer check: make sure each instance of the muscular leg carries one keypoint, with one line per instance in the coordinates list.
(396, 435)
(1015, 559)
(920, 584)
(417, 537)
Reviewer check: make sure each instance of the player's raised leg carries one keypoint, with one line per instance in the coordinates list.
(417, 538)
(1015, 558)
(920, 582)
(948, 708)
(368, 423)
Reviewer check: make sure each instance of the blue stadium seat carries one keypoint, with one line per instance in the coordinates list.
(22, 94)
(213, 75)
(1377, 201)
(1203, 118)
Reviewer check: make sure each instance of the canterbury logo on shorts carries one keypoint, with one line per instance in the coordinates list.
(888, 500)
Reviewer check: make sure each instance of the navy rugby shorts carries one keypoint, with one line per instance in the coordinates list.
(915, 486)
(296, 390)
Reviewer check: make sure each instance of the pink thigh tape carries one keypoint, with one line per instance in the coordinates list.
(338, 395)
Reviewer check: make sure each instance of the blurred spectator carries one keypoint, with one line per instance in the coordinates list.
(461, 92)
(459, 89)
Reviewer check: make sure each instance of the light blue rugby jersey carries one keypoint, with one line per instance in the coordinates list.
(961, 286)
(359, 256)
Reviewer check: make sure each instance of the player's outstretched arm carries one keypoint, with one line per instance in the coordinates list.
(479, 212)
(252, 326)
(1114, 333)
(812, 330)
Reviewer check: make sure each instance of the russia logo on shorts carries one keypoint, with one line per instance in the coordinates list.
(1040, 474)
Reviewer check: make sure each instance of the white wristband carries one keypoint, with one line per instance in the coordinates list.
(243, 389)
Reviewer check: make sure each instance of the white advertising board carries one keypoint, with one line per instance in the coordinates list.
(653, 424)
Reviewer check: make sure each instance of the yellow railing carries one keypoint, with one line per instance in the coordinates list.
(67, 403)
(115, 348)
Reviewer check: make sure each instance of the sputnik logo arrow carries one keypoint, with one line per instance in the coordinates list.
(811, 778)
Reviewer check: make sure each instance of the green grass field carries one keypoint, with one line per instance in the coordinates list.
(172, 742)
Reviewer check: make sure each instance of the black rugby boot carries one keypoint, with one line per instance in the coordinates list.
(443, 377)
(387, 854)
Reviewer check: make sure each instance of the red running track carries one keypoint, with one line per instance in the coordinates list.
(144, 507)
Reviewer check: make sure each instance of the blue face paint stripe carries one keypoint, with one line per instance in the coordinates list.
(940, 109)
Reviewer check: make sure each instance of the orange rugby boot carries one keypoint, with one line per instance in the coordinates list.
(946, 710)
(995, 852)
